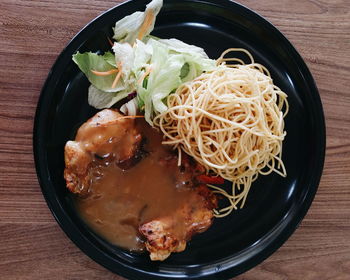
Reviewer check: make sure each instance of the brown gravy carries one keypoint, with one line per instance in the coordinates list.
(120, 200)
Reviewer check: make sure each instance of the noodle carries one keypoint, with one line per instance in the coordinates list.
(231, 121)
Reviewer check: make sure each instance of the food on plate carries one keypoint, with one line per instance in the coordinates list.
(148, 169)
(148, 65)
(170, 233)
(229, 120)
(153, 203)
(108, 134)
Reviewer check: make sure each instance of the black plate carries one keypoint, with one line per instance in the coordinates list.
(275, 205)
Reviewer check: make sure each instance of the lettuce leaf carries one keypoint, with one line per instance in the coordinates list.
(197, 61)
(170, 67)
(91, 61)
(137, 25)
(110, 58)
(163, 79)
(124, 55)
(152, 66)
(100, 99)
(101, 94)
(181, 47)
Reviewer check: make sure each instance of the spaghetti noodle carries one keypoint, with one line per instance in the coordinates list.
(231, 121)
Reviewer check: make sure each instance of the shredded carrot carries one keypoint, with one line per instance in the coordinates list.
(131, 117)
(147, 72)
(110, 42)
(118, 75)
(146, 23)
(106, 73)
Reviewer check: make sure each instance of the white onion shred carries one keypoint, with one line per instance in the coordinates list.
(129, 108)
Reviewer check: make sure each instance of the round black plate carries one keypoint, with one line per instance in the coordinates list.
(275, 205)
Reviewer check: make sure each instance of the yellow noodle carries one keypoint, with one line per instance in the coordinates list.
(231, 121)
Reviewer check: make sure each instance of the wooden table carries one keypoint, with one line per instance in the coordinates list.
(33, 33)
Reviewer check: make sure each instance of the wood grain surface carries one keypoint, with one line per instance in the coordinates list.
(33, 33)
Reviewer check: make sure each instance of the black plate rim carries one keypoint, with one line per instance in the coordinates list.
(268, 246)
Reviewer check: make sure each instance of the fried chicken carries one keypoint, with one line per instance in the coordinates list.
(107, 136)
(186, 205)
(169, 234)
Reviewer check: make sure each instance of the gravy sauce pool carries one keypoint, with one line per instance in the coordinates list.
(120, 200)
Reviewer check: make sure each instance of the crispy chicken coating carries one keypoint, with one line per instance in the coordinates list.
(169, 234)
(107, 136)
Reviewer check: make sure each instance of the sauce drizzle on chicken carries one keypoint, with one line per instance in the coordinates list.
(149, 203)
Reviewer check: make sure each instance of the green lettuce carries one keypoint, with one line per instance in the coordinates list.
(110, 58)
(170, 67)
(197, 61)
(151, 66)
(128, 29)
(100, 99)
(101, 94)
(91, 61)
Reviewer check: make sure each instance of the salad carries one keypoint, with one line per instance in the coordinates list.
(141, 63)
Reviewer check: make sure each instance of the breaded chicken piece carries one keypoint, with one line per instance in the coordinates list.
(106, 136)
(160, 241)
(169, 234)
(77, 162)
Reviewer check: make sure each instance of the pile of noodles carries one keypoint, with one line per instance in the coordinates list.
(231, 121)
